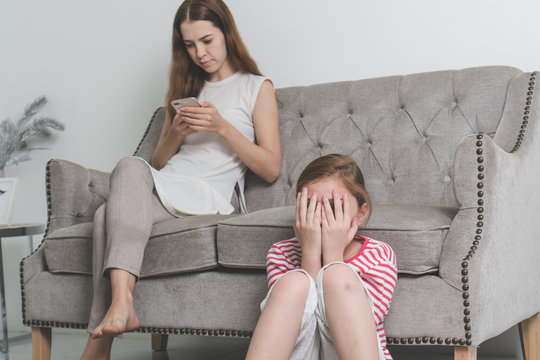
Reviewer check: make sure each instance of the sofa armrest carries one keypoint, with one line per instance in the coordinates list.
(73, 193)
(491, 250)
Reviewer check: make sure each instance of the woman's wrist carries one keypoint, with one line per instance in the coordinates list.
(225, 129)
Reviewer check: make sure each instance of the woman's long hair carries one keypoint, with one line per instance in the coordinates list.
(185, 77)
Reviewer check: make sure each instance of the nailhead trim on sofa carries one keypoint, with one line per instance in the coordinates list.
(466, 341)
(147, 129)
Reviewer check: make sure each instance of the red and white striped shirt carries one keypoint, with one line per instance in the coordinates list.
(375, 263)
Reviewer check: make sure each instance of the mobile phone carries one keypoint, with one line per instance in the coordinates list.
(190, 101)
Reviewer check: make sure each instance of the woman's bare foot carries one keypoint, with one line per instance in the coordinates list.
(98, 349)
(120, 318)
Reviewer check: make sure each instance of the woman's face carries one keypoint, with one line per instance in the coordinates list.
(206, 46)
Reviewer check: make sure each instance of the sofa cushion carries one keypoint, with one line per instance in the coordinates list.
(416, 233)
(69, 250)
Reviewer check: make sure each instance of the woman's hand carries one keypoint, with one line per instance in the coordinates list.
(179, 127)
(205, 118)
(171, 137)
(307, 228)
(338, 229)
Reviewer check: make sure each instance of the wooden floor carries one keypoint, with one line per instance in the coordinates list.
(68, 345)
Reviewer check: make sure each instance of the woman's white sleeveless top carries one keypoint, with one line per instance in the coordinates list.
(201, 177)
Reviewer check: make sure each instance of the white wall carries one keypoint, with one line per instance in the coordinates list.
(103, 66)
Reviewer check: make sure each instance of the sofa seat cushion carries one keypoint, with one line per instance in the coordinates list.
(416, 233)
(176, 246)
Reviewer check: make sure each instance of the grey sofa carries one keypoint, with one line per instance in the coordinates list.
(451, 162)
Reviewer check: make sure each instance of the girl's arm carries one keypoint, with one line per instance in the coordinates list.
(278, 263)
(307, 228)
(264, 157)
(172, 135)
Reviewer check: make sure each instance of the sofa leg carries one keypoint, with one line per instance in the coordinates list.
(530, 337)
(159, 342)
(465, 353)
(41, 343)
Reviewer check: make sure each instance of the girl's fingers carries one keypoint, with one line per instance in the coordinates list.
(354, 227)
(311, 208)
(338, 207)
(345, 210)
(317, 217)
(324, 215)
(327, 210)
(303, 205)
(297, 209)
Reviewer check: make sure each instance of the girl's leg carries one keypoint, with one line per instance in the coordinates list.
(348, 313)
(286, 318)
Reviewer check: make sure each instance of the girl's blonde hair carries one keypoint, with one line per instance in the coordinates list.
(185, 77)
(337, 166)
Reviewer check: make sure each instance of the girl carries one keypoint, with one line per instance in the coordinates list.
(329, 288)
(202, 153)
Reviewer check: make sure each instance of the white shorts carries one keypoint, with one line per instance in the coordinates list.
(314, 340)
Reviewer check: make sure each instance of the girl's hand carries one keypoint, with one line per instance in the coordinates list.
(307, 223)
(307, 228)
(205, 118)
(338, 229)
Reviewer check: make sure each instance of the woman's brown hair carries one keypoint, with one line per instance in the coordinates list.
(337, 166)
(185, 77)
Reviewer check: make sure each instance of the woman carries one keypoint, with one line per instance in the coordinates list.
(215, 141)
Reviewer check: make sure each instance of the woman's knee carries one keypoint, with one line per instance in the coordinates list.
(100, 212)
(130, 164)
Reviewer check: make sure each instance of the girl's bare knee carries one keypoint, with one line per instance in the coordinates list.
(339, 278)
(292, 286)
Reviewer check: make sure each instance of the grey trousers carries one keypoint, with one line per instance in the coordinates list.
(122, 228)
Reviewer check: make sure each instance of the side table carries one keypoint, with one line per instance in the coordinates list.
(27, 230)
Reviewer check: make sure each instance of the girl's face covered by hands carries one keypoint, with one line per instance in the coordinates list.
(330, 188)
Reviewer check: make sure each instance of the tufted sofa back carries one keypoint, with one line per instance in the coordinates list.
(402, 131)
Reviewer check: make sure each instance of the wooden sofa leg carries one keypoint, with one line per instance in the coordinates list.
(159, 342)
(41, 343)
(464, 353)
(530, 337)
